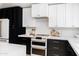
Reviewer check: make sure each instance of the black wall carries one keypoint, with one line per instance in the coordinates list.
(14, 14)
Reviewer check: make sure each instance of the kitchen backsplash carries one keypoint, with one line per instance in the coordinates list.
(44, 29)
(41, 27)
(67, 32)
(64, 32)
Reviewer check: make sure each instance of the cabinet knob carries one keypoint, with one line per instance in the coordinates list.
(56, 42)
(56, 47)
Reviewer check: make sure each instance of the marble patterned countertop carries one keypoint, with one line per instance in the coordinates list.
(74, 42)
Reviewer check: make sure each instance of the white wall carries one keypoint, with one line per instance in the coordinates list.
(4, 28)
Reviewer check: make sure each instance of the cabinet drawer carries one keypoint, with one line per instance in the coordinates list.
(56, 49)
(55, 43)
(38, 51)
(38, 43)
(56, 52)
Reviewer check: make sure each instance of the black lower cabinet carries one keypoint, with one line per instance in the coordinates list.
(70, 50)
(21, 40)
(59, 48)
(14, 14)
(25, 41)
(28, 46)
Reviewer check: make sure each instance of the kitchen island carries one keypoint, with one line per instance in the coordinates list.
(74, 42)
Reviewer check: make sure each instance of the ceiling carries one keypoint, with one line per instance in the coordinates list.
(5, 5)
(23, 5)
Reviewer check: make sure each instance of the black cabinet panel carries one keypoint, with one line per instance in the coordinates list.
(22, 40)
(28, 46)
(59, 48)
(70, 50)
(25, 41)
(22, 30)
(14, 14)
(55, 47)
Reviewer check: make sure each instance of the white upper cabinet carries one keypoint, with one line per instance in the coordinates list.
(72, 15)
(69, 17)
(40, 10)
(52, 16)
(61, 15)
(35, 10)
(57, 15)
(64, 15)
(75, 14)
(28, 21)
(43, 10)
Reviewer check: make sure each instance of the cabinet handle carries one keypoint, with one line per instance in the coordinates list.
(55, 54)
(56, 47)
(56, 41)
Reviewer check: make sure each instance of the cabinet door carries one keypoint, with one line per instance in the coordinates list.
(44, 10)
(52, 16)
(5, 28)
(55, 47)
(61, 15)
(69, 17)
(75, 14)
(27, 19)
(39, 10)
(35, 10)
(28, 46)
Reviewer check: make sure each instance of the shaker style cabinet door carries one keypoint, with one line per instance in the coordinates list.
(72, 15)
(55, 47)
(44, 10)
(28, 21)
(57, 15)
(61, 15)
(40, 10)
(52, 16)
(35, 10)
(69, 17)
(75, 15)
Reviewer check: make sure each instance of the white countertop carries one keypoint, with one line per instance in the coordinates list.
(25, 36)
(75, 45)
(74, 42)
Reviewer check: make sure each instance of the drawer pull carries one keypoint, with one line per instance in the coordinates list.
(56, 55)
(56, 47)
(56, 42)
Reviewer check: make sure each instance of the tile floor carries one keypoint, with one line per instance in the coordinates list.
(8, 49)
